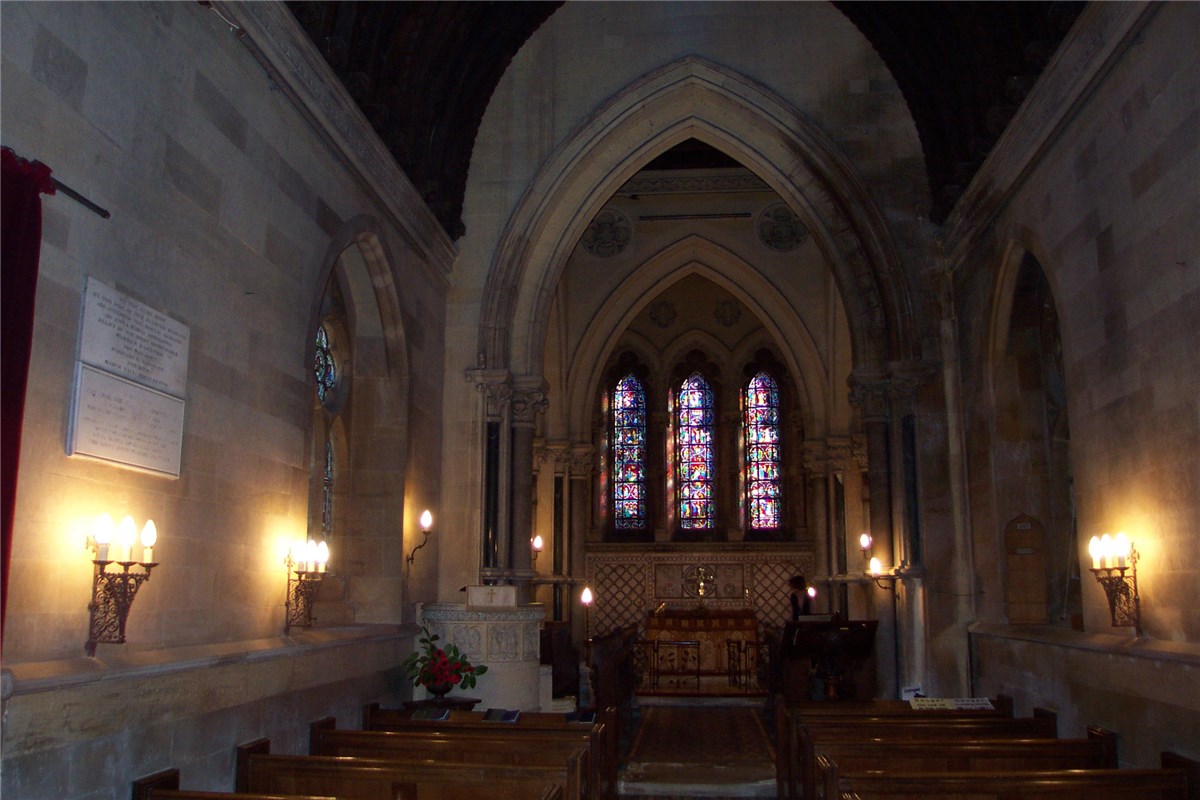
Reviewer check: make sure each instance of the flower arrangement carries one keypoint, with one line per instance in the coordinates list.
(440, 669)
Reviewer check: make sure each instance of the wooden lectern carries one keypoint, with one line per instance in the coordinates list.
(824, 657)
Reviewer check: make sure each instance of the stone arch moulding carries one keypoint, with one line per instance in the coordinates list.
(694, 98)
(1003, 291)
(695, 255)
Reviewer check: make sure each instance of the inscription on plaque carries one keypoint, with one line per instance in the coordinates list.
(130, 381)
(130, 339)
(117, 420)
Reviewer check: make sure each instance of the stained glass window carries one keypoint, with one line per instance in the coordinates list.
(694, 449)
(629, 454)
(324, 367)
(761, 427)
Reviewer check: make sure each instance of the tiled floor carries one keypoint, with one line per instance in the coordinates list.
(714, 747)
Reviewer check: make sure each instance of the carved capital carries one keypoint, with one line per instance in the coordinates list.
(869, 394)
(494, 385)
(842, 454)
(816, 456)
(582, 457)
(906, 377)
(526, 403)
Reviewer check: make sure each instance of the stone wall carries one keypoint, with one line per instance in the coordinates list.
(230, 209)
(1106, 202)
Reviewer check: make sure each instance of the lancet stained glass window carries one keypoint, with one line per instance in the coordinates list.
(327, 492)
(629, 454)
(761, 427)
(324, 367)
(694, 449)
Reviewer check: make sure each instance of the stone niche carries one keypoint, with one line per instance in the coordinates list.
(507, 640)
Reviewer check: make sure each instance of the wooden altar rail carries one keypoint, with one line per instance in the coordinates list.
(390, 779)
(478, 747)
(600, 736)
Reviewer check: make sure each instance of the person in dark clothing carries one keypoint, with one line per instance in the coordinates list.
(801, 600)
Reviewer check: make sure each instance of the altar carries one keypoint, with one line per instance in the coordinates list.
(696, 640)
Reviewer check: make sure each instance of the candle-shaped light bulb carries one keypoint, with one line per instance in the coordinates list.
(426, 520)
(1094, 551)
(310, 555)
(1121, 549)
(149, 539)
(103, 535)
(538, 543)
(812, 592)
(126, 536)
(876, 566)
(1106, 550)
(864, 542)
(585, 596)
(322, 556)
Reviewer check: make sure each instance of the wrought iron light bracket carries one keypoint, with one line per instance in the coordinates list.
(112, 597)
(1121, 588)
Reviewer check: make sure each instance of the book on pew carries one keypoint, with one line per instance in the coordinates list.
(586, 717)
(502, 714)
(432, 712)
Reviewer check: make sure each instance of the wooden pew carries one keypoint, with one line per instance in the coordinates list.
(836, 759)
(601, 735)
(799, 768)
(165, 786)
(462, 746)
(1167, 783)
(374, 779)
(787, 715)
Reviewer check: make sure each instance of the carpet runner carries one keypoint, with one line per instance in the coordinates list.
(710, 751)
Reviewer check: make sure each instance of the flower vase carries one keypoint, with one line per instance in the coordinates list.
(438, 691)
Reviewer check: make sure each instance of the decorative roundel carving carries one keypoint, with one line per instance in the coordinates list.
(607, 235)
(663, 313)
(699, 581)
(780, 229)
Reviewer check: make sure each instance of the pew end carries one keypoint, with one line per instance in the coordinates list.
(256, 747)
(1190, 767)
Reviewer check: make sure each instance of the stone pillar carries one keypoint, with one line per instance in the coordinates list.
(816, 468)
(580, 471)
(493, 386)
(869, 394)
(528, 400)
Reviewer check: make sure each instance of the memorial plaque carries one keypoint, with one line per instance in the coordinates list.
(117, 420)
(125, 337)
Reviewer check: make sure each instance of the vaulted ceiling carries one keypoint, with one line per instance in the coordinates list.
(423, 72)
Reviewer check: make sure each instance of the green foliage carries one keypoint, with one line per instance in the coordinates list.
(431, 665)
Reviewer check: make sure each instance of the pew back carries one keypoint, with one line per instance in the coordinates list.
(601, 734)
(374, 779)
(800, 769)
(483, 747)
(1104, 784)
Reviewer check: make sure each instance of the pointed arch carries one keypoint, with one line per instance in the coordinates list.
(695, 255)
(694, 98)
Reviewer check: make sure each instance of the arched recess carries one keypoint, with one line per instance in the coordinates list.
(1030, 448)
(699, 256)
(694, 98)
(374, 423)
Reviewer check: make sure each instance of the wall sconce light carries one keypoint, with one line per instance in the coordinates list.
(864, 542)
(306, 570)
(537, 544)
(426, 525)
(1114, 563)
(875, 570)
(113, 592)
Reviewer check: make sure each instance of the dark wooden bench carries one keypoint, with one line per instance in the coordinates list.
(165, 786)
(796, 763)
(601, 735)
(837, 759)
(380, 779)
(461, 746)
(1082, 784)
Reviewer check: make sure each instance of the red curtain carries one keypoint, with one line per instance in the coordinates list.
(20, 247)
